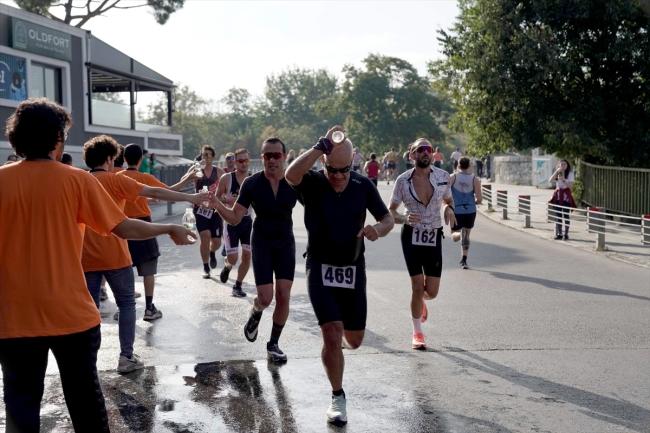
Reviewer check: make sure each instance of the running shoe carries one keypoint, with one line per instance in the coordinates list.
(238, 292)
(274, 352)
(225, 272)
(418, 342)
(103, 295)
(206, 274)
(463, 264)
(152, 314)
(127, 365)
(213, 260)
(566, 237)
(250, 330)
(336, 414)
(558, 237)
(425, 311)
(137, 294)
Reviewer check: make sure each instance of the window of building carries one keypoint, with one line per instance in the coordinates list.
(46, 82)
(12, 78)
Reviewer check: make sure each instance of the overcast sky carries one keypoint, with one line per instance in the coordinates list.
(213, 46)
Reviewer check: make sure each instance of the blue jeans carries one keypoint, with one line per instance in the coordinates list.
(562, 215)
(122, 283)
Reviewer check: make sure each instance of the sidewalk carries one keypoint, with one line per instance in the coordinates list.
(626, 250)
(159, 210)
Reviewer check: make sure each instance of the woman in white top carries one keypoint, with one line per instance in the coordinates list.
(562, 198)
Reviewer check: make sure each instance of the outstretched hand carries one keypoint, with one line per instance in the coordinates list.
(369, 232)
(182, 236)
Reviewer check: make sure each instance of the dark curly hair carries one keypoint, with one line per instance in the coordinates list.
(97, 149)
(36, 126)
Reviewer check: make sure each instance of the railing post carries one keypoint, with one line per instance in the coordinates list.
(645, 229)
(502, 202)
(169, 208)
(524, 209)
(488, 193)
(596, 223)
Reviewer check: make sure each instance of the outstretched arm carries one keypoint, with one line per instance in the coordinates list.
(139, 230)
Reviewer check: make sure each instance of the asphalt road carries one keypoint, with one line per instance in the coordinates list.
(536, 336)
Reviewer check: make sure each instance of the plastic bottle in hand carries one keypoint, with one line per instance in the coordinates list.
(338, 137)
(189, 222)
(206, 204)
(198, 169)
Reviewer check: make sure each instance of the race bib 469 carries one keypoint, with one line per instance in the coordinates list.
(339, 276)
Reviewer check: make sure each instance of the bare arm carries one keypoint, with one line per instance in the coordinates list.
(301, 165)
(478, 191)
(222, 190)
(397, 217)
(232, 216)
(169, 195)
(139, 230)
(185, 180)
(450, 218)
(379, 230)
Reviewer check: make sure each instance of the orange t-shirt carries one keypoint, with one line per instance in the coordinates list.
(140, 208)
(44, 206)
(117, 169)
(105, 253)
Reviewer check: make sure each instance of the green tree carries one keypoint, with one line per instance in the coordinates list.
(389, 105)
(85, 10)
(569, 76)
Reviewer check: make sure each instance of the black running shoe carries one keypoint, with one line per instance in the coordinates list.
(225, 272)
(213, 260)
(238, 292)
(463, 264)
(566, 237)
(558, 237)
(250, 330)
(275, 353)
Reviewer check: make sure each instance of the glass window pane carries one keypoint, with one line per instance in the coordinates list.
(38, 82)
(50, 84)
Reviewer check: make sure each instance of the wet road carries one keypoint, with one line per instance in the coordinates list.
(534, 337)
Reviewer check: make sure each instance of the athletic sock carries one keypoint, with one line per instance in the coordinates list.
(417, 325)
(238, 283)
(148, 301)
(276, 330)
(464, 258)
(256, 314)
(338, 393)
(206, 267)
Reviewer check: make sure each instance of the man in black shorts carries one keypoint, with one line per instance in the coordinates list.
(273, 245)
(336, 200)
(208, 222)
(228, 191)
(464, 186)
(422, 190)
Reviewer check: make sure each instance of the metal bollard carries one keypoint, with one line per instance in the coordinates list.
(524, 209)
(645, 229)
(596, 223)
(488, 195)
(169, 208)
(502, 202)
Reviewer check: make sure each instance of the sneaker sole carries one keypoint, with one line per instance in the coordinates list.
(276, 358)
(419, 346)
(237, 295)
(206, 277)
(338, 421)
(130, 369)
(251, 339)
(149, 319)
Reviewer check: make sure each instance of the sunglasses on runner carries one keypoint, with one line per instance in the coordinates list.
(421, 149)
(241, 161)
(230, 158)
(338, 170)
(272, 155)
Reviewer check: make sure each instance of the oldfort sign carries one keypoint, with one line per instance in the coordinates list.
(37, 39)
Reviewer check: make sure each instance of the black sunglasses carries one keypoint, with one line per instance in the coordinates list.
(273, 155)
(338, 170)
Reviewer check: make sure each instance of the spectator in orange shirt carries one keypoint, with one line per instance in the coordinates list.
(144, 254)
(109, 256)
(118, 162)
(49, 308)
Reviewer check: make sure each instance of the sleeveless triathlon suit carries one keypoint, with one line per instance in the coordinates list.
(233, 235)
(208, 218)
(465, 205)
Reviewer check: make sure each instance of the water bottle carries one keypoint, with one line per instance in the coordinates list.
(189, 222)
(198, 168)
(338, 137)
(206, 204)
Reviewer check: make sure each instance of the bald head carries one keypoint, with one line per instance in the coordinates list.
(341, 155)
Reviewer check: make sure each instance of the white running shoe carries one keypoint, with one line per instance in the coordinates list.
(336, 414)
(127, 365)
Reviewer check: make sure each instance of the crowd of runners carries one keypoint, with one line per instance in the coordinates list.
(99, 226)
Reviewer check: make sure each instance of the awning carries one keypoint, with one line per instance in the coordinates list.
(172, 160)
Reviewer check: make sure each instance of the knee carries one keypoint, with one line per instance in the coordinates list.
(264, 299)
(418, 291)
(205, 237)
(282, 296)
(246, 257)
(353, 341)
(332, 334)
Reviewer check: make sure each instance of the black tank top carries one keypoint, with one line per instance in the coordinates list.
(211, 182)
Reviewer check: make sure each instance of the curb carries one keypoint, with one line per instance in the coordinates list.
(609, 254)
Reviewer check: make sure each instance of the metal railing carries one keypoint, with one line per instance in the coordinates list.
(596, 220)
(617, 189)
(171, 174)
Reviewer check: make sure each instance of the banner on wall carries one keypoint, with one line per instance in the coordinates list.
(13, 81)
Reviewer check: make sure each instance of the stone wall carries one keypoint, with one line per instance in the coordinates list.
(513, 170)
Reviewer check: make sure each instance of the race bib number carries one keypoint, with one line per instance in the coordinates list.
(334, 276)
(207, 213)
(425, 238)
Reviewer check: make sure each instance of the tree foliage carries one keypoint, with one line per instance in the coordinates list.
(83, 11)
(388, 104)
(569, 76)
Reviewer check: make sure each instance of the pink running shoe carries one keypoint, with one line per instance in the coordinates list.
(425, 311)
(418, 341)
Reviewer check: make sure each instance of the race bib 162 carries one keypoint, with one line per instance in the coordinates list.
(426, 238)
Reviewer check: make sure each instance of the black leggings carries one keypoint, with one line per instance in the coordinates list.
(562, 213)
(24, 361)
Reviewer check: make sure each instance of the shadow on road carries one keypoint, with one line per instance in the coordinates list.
(563, 285)
(617, 412)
